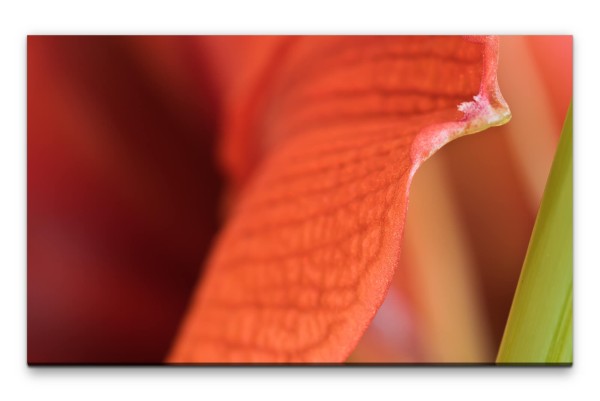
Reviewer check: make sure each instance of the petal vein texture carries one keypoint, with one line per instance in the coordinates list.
(337, 127)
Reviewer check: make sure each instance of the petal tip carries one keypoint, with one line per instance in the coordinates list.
(483, 113)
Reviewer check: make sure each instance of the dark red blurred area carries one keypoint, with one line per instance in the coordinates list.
(123, 193)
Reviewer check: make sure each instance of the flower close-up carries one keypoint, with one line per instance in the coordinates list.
(299, 199)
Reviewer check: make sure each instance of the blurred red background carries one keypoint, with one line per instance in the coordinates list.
(120, 162)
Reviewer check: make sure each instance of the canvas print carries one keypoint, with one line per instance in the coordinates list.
(197, 200)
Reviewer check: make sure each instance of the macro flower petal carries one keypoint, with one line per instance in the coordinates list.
(311, 244)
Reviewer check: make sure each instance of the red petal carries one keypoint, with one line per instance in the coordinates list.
(309, 252)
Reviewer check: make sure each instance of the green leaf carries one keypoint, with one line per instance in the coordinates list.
(540, 324)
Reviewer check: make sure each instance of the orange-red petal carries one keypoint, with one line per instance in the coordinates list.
(311, 246)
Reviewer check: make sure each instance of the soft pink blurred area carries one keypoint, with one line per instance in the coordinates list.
(553, 56)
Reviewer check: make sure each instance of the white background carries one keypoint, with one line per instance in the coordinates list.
(18, 19)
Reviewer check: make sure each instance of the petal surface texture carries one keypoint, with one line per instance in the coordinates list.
(338, 127)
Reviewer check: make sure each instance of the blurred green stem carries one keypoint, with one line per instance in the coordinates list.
(540, 324)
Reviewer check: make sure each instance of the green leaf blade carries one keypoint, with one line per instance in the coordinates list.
(540, 324)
